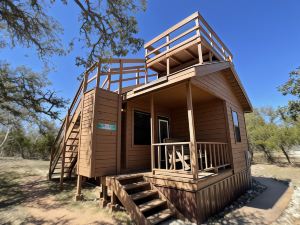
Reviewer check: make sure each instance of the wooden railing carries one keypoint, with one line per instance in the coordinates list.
(183, 33)
(172, 156)
(212, 155)
(117, 74)
(176, 156)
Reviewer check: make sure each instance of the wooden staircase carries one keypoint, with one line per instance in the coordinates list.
(143, 201)
(65, 148)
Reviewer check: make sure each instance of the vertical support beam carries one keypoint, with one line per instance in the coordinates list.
(137, 77)
(50, 167)
(193, 144)
(119, 134)
(78, 196)
(62, 173)
(85, 79)
(109, 79)
(146, 73)
(121, 77)
(168, 59)
(103, 196)
(98, 74)
(199, 44)
(152, 125)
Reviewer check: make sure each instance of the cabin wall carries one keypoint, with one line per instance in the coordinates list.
(85, 147)
(138, 157)
(98, 135)
(218, 85)
(106, 139)
(210, 123)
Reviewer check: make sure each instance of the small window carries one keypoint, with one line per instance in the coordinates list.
(142, 132)
(236, 126)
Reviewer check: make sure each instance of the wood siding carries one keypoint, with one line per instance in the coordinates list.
(138, 157)
(199, 205)
(105, 148)
(98, 147)
(85, 148)
(210, 124)
(218, 84)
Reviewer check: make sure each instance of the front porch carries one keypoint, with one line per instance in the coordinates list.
(188, 129)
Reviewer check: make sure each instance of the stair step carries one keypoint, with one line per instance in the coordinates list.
(160, 216)
(151, 204)
(135, 185)
(142, 194)
(130, 176)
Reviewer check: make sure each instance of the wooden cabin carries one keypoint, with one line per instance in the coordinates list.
(164, 135)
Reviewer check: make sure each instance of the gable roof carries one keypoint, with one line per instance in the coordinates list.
(233, 79)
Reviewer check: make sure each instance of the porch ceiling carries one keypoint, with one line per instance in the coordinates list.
(175, 96)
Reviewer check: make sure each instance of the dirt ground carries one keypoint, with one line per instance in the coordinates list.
(26, 197)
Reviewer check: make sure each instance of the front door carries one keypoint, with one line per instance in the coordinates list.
(163, 129)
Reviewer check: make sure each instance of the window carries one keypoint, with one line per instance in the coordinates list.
(236, 126)
(142, 132)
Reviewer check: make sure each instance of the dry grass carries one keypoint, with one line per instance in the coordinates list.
(26, 197)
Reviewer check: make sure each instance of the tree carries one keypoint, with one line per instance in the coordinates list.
(24, 95)
(292, 87)
(107, 28)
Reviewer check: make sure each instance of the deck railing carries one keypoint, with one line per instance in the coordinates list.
(212, 155)
(167, 156)
(186, 31)
(118, 74)
(175, 156)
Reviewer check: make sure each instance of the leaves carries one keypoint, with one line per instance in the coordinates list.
(27, 24)
(292, 87)
(24, 95)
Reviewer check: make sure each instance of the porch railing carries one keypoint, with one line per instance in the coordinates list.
(212, 155)
(172, 156)
(176, 156)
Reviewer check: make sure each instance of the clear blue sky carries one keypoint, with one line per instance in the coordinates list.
(264, 37)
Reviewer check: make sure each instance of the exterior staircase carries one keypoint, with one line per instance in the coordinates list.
(143, 201)
(65, 148)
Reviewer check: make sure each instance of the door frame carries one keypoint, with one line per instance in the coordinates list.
(163, 119)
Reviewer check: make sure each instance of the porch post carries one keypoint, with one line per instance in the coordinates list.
(152, 121)
(193, 144)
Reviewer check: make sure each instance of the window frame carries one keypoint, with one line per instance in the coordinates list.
(234, 127)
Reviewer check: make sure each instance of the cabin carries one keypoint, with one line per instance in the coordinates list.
(164, 135)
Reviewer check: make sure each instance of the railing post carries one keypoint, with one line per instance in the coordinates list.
(199, 44)
(121, 77)
(51, 159)
(152, 121)
(193, 144)
(109, 79)
(146, 74)
(168, 59)
(98, 74)
(64, 149)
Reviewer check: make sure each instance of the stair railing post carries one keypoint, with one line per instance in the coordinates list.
(64, 149)
(199, 43)
(121, 77)
(98, 74)
(51, 159)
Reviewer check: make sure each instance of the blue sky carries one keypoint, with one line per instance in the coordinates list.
(264, 37)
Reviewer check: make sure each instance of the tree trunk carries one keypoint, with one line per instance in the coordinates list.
(285, 154)
(5, 138)
(267, 153)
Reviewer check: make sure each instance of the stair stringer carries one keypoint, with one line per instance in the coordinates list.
(128, 203)
(174, 210)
